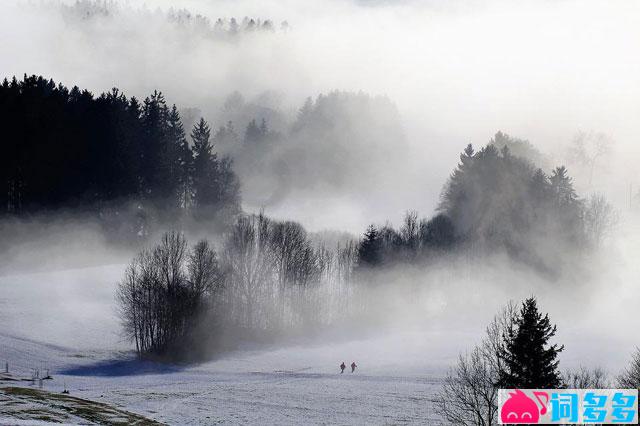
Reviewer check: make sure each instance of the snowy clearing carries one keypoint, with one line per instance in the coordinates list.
(76, 340)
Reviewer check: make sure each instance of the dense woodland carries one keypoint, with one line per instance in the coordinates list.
(131, 164)
(66, 149)
(335, 144)
(497, 201)
(161, 180)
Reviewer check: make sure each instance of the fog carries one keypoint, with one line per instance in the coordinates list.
(456, 72)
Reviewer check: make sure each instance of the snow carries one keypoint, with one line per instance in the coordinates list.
(65, 321)
(284, 386)
(76, 338)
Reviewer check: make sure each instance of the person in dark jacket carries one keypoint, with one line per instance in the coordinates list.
(342, 367)
(353, 366)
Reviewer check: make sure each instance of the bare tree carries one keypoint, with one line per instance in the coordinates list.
(588, 149)
(164, 291)
(129, 309)
(585, 378)
(289, 242)
(249, 260)
(274, 273)
(204, 272)
(410, 232)
(630, 377)
(599, 218)
(469, 395)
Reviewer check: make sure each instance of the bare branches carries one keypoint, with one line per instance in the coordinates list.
(469, 395)
(270, 276)
(164, 290)
(600, 218)
(630, 378)
(585, 378)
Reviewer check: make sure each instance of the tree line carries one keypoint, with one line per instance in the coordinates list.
(337, 142)
(65, 148)
(265, 276)
(492, 201)
(272, 276)
(222, 28)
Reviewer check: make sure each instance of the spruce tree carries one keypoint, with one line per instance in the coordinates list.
(530, 361)
(205, 167)
(566, 206)
(154, 123)
(229, 187)
(253, 134)
(562, 186)
(177, 159)
(370, 248)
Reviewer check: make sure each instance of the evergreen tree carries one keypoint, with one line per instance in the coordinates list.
(370, 248)
(229, 188)
(539, 187)
(65, 148)
(264, 130)
(253, 135)
(562, 187)
(566, 207)
(226, 136)
(179, 158)
(437, 233)
(530, 361)
(205, 168)
(455, 188)
(155, 172)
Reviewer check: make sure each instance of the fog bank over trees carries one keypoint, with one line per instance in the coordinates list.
(262, 172)
(443, 67)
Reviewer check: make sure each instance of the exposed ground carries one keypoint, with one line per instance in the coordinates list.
(26, 405)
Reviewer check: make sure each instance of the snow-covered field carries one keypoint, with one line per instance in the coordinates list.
(65, 321)
(76, 339)
(286, 386)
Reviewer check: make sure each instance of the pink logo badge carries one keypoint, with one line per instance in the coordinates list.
(519, 408)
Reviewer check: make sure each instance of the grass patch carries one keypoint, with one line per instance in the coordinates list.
(60, 408)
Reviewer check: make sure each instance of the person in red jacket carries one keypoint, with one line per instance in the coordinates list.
(353, 366)
(342, 367)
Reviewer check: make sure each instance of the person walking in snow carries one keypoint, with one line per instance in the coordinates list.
(353, 366)
(342, 367)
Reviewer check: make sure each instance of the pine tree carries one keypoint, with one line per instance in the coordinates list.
(229, 188)
(530, 361)
(205, 167)
(539, 186)
(154, 170)
(264, 130)
(438, 232)
(566, 206)
(370, 248)
(178, 159)
(562, 186)
(455, 188)
(253, 134)
(304, 115)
